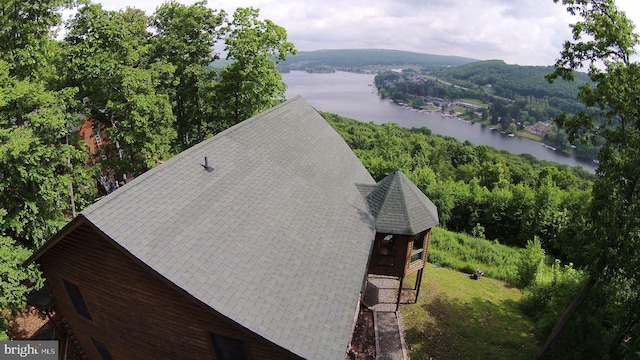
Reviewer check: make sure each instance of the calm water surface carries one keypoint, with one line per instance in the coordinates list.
(353, 95)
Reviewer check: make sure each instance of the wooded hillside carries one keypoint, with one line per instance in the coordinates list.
(511, 97)
(478, 189)
(516, 82)
(360, 59)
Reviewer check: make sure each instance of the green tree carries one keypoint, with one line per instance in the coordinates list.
(530, 262)
(39, 166)
(43, 173)
(251, 83)
(604, 41)
(15, 281)
(184, 37)
(109, 59)
(25, 39)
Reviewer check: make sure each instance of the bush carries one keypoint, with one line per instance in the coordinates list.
(478, 231)
(529, 263)
(16, 281)
(595, 323)
(546, 300)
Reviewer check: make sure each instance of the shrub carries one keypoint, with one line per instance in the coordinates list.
(478, 231)
(529, 263)
(545, 301)
(595, 323)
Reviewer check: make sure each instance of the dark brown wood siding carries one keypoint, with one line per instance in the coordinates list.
(134, 312)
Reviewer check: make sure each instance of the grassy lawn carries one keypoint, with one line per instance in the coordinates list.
(460, 318)
(474, 101)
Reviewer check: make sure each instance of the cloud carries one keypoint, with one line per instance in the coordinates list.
(479, 29)
(526, 32)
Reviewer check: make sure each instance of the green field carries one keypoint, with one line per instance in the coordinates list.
(473, 101)
(460, 318)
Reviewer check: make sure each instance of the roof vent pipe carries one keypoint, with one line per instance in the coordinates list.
(206, 165)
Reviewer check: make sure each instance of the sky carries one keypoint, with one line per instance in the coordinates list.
(524, 32)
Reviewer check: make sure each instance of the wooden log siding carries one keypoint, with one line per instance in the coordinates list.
(135, 313)
(413, 267)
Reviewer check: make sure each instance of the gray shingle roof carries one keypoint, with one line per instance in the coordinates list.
(276, 238)
(399, 206)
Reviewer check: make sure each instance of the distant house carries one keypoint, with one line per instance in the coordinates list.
(95, 137)
(254, 244)
(469, 105)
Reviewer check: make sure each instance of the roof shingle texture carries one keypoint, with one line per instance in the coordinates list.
(276, 237)
(399, 206)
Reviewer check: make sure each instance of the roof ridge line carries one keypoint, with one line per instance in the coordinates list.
(403, 198)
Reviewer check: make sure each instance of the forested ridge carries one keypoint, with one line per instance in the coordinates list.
(365, 59)
(143, 80)
(511, 97)
(516, 82)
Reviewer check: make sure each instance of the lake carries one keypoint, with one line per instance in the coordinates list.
(354, 96)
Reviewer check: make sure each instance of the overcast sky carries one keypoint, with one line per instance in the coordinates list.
(525, 32)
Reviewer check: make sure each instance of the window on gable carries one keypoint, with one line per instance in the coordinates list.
(102, 349)
(77, 300)
(227, 348)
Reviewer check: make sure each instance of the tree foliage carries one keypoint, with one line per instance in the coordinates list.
(251, 83)
(530, 262)
(607, 241)
(43, 171)
(185, 37)
(38, 167)
(512, 197)
(147, 79)
(16, 281)
(110, 61)
(25, 39)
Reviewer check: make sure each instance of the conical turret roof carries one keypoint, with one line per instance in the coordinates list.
(399, 206)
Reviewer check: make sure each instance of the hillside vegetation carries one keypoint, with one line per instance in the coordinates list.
(504, 315)
(516, 82)
(460, 318)
(478, 189)
(516, 99)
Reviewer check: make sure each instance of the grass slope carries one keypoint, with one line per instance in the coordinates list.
(466, 253)
(460, 318)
